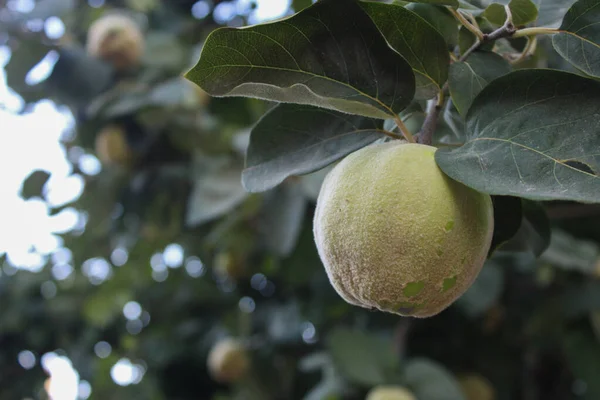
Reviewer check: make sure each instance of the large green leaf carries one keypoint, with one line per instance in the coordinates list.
(316, 57)
(431, 381)
(417, 41)
(467, 79)
(440, 18)
(534, 231)
(25, 55)
(579, 39)
(532, 134)
(281, 223)
(295, 139)
(216, 191)
(362, 358)
(572, 254)
(484, 292)
(508, 214)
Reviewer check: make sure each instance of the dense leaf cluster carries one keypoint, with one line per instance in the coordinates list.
(508, 91)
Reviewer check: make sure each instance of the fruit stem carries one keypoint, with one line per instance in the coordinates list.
(405, 132)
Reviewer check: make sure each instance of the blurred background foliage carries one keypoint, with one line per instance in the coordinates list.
(170, 254)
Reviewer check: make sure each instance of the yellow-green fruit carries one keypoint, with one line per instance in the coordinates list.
(116, 39)
(397, 234)
(230, 265)
(112, 146)
(390, 393)
(228, 361)
(476, 387)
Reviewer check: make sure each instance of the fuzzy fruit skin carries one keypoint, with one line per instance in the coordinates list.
(396, 234)
(116, 39)
(390, 393)
(228, 361)
(112, 146)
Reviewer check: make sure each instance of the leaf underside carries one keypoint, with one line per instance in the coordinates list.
(296, 139)
(316, 57)
(417, 41)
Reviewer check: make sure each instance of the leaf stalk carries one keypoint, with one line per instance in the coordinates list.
(404, 130)
(535, 31)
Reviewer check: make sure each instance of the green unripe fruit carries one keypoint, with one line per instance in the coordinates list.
(116, 39)
(112, 146)
(397, 234)
(476, 387)
(228, 361)
(230, 265)
(390, 393)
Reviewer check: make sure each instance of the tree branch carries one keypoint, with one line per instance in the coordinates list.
(431, 120)
(506, 30)
(434, 108)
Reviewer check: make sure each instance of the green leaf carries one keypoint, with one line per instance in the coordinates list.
(24, 56)
(452, 3)
(363, 359)
(311, 183)
(440, 18)
(431, 381)
(216, 191)
(523, 12)
(484, 292)
(467, 6)
(314, 58)
(534, 232)
(532, 134)
(551, 12)
(579, 39)
(467, 79)
(508, 214)
(572, 254)
(70, 80)
(33, 185)
(417, 41)
(580, 299)
(296, 139)
(281, 222)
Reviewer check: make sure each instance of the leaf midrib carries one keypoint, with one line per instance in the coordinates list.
(538, 152)
(311, 74)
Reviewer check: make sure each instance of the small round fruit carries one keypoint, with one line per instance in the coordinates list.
(476, 387)
(112, 146)
(396, 234)
(228, 361)
(390, 393)
(229, 265)
(116, 39)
